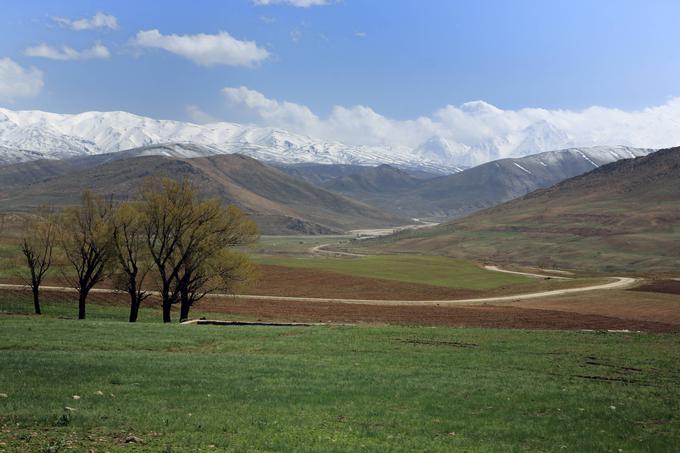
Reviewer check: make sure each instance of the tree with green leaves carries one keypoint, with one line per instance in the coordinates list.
(186, 236)
(211, 265)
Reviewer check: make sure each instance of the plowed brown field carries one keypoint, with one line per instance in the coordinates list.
(461, 316)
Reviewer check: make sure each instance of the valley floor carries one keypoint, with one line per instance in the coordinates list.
(98, 383)
(593, 371)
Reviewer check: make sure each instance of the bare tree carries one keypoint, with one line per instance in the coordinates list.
(87, 242)
(131, 253)
(37, 246)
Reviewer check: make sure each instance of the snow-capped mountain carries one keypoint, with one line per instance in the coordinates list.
(541, 135)
(439, 149)
(31, 135)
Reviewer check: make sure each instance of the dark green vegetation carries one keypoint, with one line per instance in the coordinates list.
(182, 388)
(621, 217)
(279, 203)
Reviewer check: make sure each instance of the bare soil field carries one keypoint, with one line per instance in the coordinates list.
(652, 313)
(306, 282)
(483, 316)
(660, 286)
(634, 304)
(301, 282)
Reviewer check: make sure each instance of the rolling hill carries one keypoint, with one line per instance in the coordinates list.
(279, 203)
(624, 216)
(475, 188)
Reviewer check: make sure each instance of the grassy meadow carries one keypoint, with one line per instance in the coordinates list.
(203, 388)
(430, 270)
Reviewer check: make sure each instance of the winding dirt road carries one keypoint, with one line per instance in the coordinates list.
(617, 283)
(320, 250)
(528, 274)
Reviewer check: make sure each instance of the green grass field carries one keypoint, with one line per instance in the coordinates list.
(430, 270)
(295, 244)
(208, 388)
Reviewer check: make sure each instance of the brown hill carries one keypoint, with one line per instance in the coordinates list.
(624, 216)
(279, 203)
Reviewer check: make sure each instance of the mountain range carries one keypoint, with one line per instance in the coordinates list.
(619, 217)
(279, 203)
(300, 198)
(31, 135)
(473, 189)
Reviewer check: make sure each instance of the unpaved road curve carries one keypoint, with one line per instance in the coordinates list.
(618, 283)
(528, 274)
(319, 250)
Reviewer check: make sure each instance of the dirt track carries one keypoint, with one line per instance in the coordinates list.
(619, 283)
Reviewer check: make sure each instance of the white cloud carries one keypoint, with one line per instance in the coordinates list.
(198, 116)
(268, 19)
(99, 20)
(17, 82)
(203, 49)
(296, 3)
(475, 128)
(360, 34)
(98, 51)
(282, 114)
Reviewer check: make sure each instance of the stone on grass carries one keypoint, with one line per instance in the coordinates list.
(134, 440)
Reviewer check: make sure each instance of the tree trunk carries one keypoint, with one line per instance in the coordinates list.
(82, 296)
(166, 310)
(36, 300)
(185, 305)
(165, 295)
(134, 306)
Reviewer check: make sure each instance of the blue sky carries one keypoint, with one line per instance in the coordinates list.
(403, 59)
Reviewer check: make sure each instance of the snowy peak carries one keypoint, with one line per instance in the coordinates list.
(439, 149)
(480, 108)
(542, 136)
(55, 136)
(30, 135)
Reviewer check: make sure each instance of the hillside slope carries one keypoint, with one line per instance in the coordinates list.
(383, 179)
(475, 188)
(279, 203)
(624, 216)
